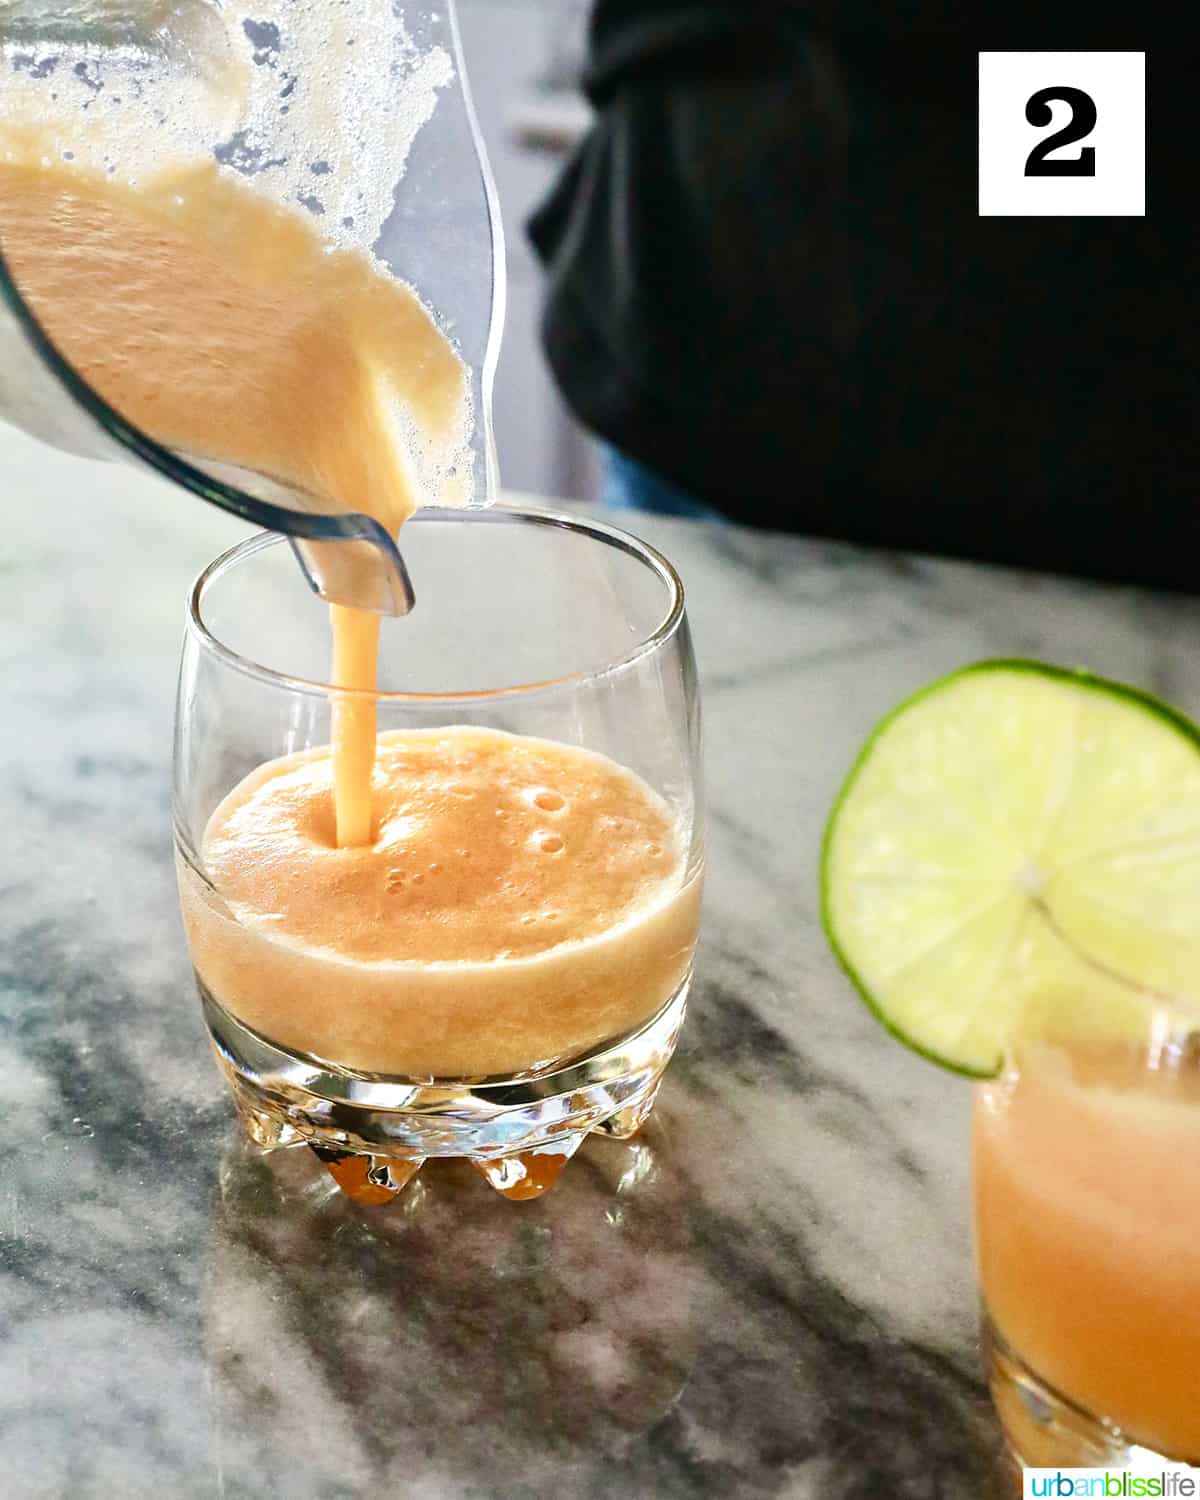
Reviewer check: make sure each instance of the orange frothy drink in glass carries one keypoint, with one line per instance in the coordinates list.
(519, 902)
(1087, 1221)
(498, 964)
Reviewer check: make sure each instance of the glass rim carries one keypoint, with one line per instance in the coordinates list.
(599, 531)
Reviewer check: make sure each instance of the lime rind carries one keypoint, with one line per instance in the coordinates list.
(1035, 934)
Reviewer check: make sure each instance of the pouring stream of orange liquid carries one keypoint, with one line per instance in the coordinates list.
(222, 325)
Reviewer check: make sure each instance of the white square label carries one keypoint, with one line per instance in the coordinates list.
(1062, 134)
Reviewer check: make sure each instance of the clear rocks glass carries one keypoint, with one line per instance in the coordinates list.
(526, 621)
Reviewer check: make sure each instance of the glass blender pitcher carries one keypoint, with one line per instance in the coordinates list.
(354, 112)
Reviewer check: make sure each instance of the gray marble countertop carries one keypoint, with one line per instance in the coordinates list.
(769, 1295)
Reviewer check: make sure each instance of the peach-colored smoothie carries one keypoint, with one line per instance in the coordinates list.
(1087, 1210)
(520, 902)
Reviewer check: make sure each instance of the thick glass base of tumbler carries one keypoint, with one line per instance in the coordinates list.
(1046, 1429)
(374, 1133)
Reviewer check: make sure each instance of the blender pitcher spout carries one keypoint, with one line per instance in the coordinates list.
(384, 161)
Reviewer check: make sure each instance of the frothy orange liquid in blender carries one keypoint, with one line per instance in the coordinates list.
(450, 903)
(223, 326)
